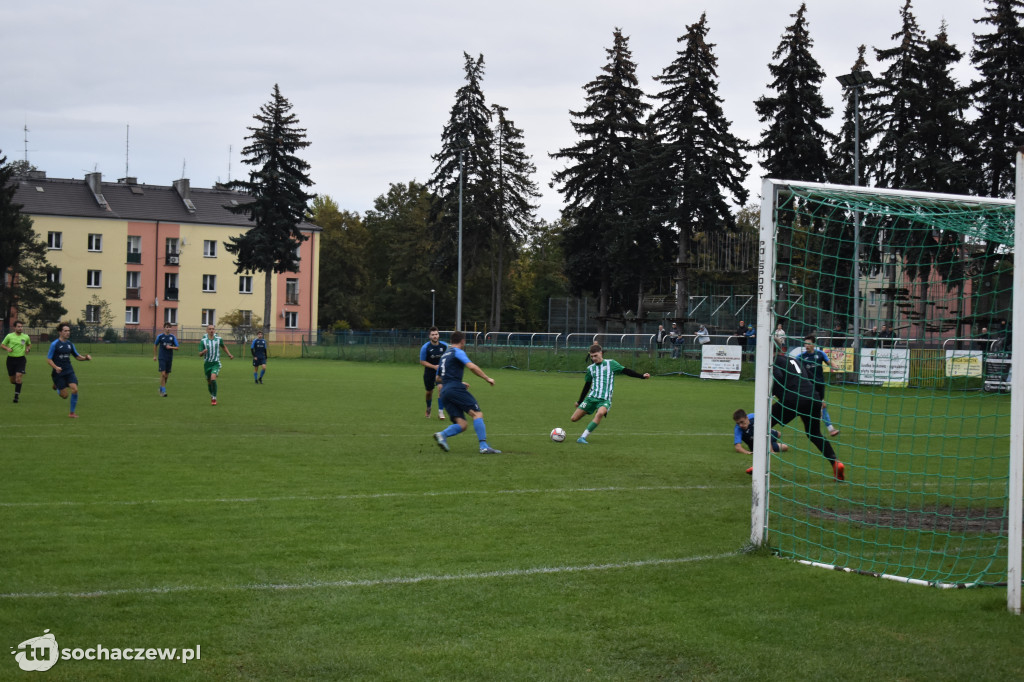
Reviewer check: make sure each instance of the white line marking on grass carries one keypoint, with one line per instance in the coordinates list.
(369, 496)
(374, 582)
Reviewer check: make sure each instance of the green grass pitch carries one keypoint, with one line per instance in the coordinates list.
(310, 528)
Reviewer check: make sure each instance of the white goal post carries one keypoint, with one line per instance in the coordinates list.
(888, 454)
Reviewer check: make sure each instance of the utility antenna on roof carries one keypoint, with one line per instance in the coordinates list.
(229, 163)
(127, 130)
(26, 142)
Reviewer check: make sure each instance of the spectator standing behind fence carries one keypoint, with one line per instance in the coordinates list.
(839, 336)
(741, 335)
(675, 337)
(751, 339)
(660, 337)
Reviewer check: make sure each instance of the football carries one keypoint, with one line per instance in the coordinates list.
(558, 434)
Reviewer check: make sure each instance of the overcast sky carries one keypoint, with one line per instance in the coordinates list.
(373, 82)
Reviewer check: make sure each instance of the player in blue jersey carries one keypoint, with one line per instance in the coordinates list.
(259, 357)
(59, 358)
(163, 350)
(596, 397)
(430, 355)
(815, 360)
(743, 434)
(457, 398)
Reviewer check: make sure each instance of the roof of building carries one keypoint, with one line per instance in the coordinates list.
(127, 199)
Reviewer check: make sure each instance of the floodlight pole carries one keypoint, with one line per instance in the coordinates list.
(458, 295)
(856, 80)
(433, 300)
(1015, 491)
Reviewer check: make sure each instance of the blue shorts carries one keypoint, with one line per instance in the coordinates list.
(62, 381)
(257, 361)
(458, 402)
(164, 365)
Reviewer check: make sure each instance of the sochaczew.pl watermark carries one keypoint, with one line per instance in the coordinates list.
(42, 653)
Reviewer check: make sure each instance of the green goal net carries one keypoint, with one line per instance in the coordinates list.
(910, 298)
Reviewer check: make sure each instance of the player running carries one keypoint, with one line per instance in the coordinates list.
(430, 355)
(457, 398)
(163, 349)
(815, 360)
(211, 345)
(743, 434)
(59, 358)
(17, 344)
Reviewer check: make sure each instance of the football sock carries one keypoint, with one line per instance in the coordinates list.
(440, 405)
(428, 404)
(254, 376)
(481, 431)
(74, 401)
(17, 389)
(452, 430)
(262, 372)
(825, 416)
(213, 389)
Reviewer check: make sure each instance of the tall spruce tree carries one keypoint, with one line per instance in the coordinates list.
(279, 202)
(947, 159)
(999, 95)
(514, 193)
(27, 292)
(600, 183)
(894, 105)
(702, 160)
(467, 155)
(794, 142)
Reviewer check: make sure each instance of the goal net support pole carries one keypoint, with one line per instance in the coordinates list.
(1016, 483)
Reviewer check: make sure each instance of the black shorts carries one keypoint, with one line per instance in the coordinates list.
(164, 364)
(258, 361)
(16, 365)
(430, 379)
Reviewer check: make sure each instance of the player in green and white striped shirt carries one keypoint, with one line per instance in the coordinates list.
(596, 398)
(211, 345)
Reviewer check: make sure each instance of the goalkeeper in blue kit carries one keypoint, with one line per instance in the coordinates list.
(596, 397)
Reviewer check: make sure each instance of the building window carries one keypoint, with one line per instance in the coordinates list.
(134, 249)
(170, 286)
(95, 242)
(246, 317)
(209, 248)
(291, 319)
(55, 240)
(92, 314)
(245, 284)
(291, 291)
(131, 283)
(54, 276)
(210, 283)
(171, 315)
(131, 315)
(209, 316)
(173, 253)
(93, 278)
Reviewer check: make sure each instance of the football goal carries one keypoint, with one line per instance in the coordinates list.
(910, 296)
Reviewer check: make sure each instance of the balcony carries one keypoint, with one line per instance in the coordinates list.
(173, 258)
(132, 293)
(135, 257)
(170, 294)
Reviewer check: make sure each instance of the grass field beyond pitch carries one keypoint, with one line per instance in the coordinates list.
(310, 528)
